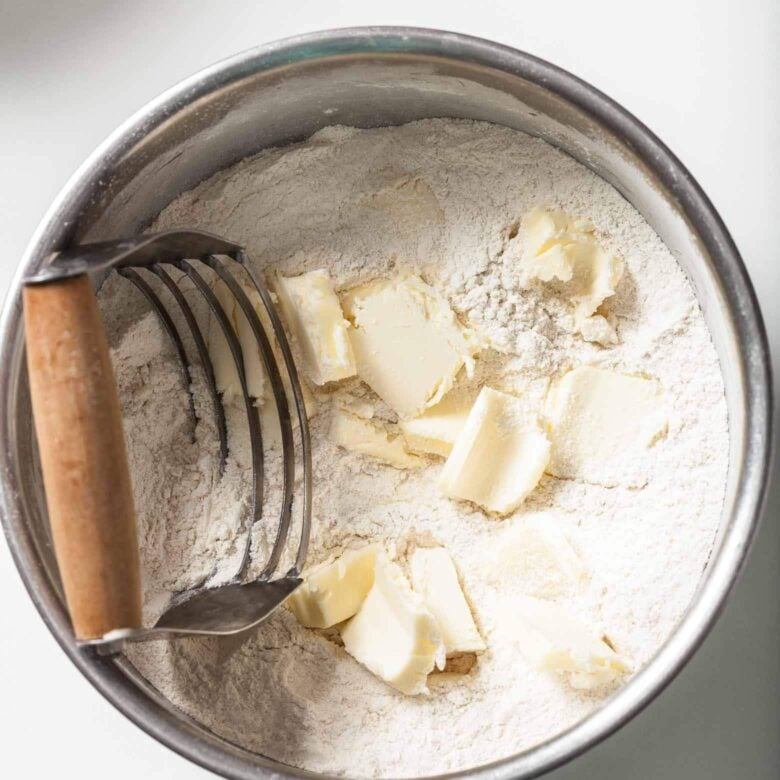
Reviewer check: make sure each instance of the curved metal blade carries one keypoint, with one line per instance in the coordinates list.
(166, 247)
(253, 422)
(229, 608)
(170, 328)
(280, 397)
(222, 611)
(205, 360)
(300, 409)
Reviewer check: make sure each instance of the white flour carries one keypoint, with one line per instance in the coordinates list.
(443, 197)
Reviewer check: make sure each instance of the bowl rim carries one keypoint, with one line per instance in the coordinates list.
(182, 734)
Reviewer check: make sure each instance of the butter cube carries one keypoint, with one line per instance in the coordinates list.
(435, 430)
(256, 377)
(394, 634)
(552, 639)
(499, 457)
(408, 344)
(367, 438)
(538, 555)
(225, 371)
(543, 256)
(269, 414)
(602, 424)
(556, 246)
(435, 579)
(313, 314)
(258, 383)
(333, 592)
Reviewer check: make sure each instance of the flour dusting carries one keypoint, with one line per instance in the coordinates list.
(442, 198)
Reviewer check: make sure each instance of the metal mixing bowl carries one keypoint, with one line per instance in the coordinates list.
(369, 77)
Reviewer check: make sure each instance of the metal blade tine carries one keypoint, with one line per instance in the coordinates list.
(300, 408)
(170, 328)
(280, 397)
(205, 359)
(253, 421)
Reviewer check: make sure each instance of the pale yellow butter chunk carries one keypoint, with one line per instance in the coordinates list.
(435, 430)
(539, 556)
(558, 247)
(499, 457)
(256, 377)
(313, 314)
(269, 413)
(552, 639)
(408, 344)
(367, 438)
(602, 424)
(394, 634)
(333, 592)
(223, 363)
(543, 256)
(258, 384)
(435, 579)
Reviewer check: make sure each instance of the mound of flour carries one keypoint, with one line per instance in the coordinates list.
(444, 198)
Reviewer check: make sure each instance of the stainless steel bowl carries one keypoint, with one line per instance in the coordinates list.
(368, 77)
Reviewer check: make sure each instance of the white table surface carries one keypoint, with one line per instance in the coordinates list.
(702, 74)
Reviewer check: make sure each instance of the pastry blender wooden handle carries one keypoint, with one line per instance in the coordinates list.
(87, 480)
